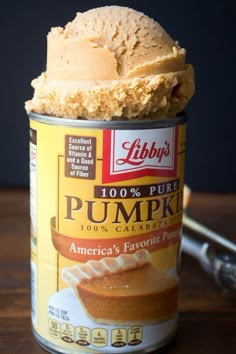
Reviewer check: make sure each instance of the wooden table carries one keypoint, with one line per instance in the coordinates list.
(207, 323)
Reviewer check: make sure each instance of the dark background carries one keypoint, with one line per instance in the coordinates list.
(205, 28)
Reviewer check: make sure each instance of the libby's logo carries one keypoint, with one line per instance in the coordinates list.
(138, 152)
(129, 154)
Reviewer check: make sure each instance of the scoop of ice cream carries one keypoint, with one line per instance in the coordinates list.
(111, 43)
(112, 62)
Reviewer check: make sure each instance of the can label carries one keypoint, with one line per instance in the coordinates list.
(106, 211)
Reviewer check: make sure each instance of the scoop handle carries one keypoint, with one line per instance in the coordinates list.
(211, 235)
(191, 246)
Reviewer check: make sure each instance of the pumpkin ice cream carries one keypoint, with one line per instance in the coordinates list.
(112, 62)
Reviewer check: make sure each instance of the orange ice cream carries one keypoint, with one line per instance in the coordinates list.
(112, 63)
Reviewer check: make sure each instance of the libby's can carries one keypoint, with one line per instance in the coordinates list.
(106, 214)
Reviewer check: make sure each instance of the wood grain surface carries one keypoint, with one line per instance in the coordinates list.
(207, 320)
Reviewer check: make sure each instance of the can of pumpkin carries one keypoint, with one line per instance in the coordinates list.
(106, 213)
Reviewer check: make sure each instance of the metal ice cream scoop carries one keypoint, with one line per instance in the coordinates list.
(222, 266)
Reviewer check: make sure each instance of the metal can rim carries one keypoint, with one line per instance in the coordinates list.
(112, 124)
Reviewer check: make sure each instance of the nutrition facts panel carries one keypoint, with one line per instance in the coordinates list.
(96, 337)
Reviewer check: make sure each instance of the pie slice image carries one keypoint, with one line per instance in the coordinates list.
(126, 289)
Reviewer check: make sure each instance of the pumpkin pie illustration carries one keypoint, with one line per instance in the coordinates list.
(124, 290)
